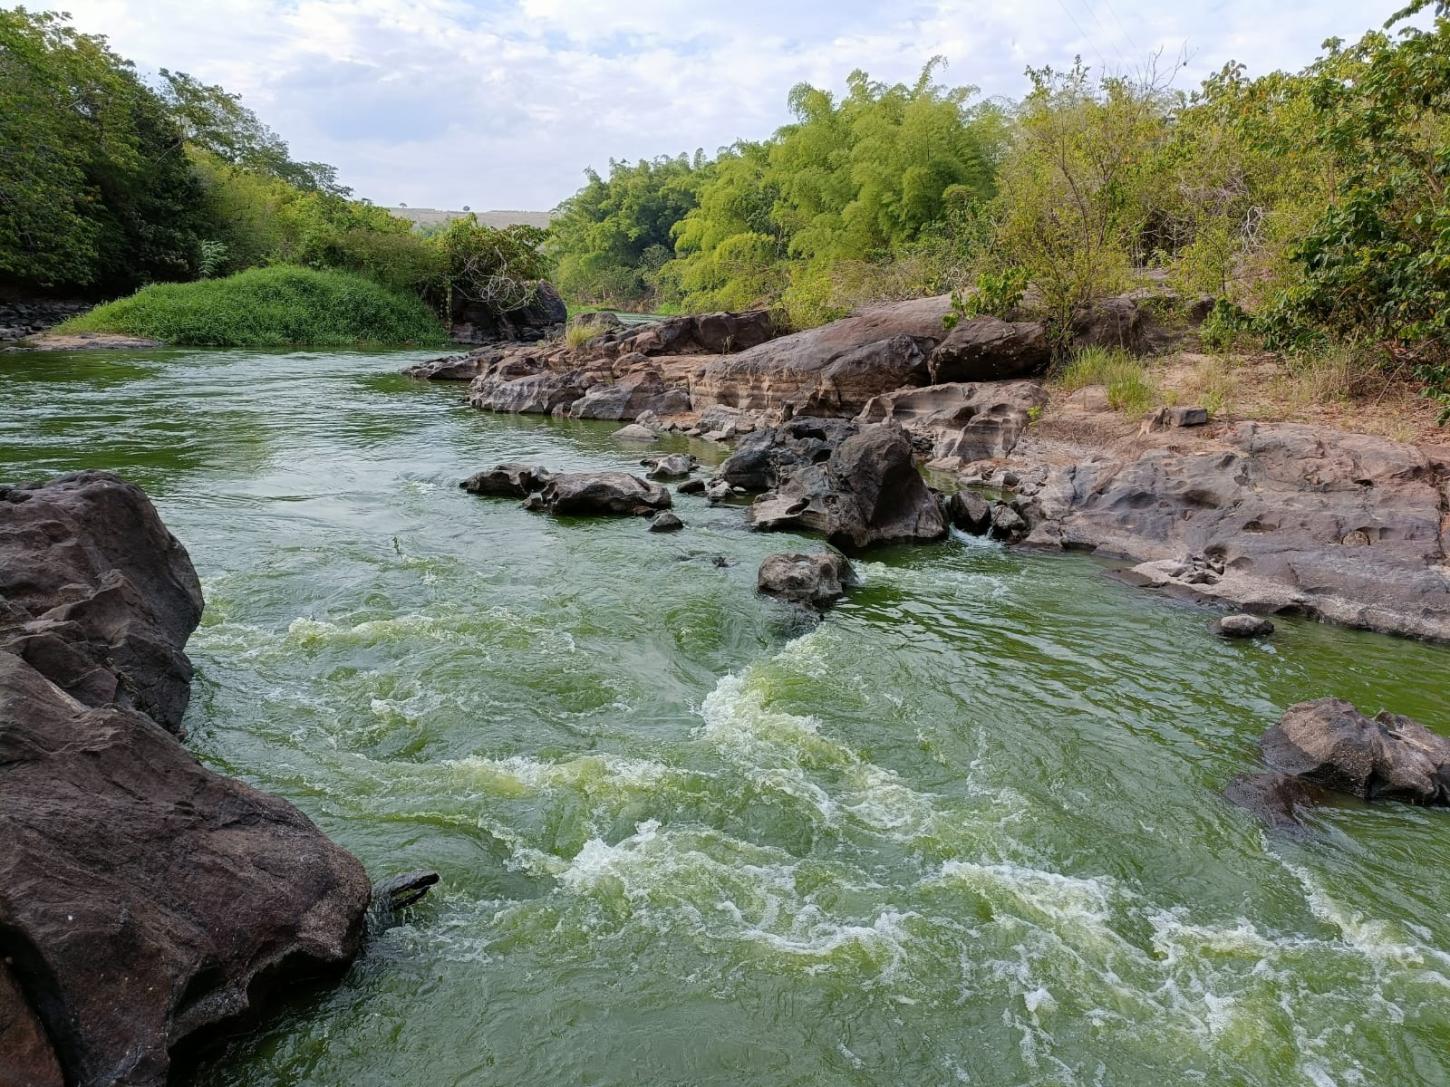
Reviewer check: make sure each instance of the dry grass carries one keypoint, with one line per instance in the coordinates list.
(1130, 388)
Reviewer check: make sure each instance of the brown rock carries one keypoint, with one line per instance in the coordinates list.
(631, 396)
(815, 580)
(988, 349)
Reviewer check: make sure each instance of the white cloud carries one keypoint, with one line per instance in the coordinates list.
(502, 103)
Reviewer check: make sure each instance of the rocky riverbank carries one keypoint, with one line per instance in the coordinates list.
(143, 898)
(1275, 518)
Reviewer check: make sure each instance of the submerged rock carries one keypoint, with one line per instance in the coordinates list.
(1275, 798)
(867, 491)
(143, 898)
(817, 580)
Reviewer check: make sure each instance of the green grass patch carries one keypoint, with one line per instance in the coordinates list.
(269, 307)
(1129, 387)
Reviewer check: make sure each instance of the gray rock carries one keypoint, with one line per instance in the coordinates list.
(691, 486)
(988, 349)
(1329, 743)
(815, 580)
(534, 394)
(764, 458)
(867, 491)
(507, 481)
(632, 395)
(1167, 418)
(673, 466)
(1007, 523)
(635, 433)
(665, 522)
(608, 494)
(960, 423)
(1242, 626)
(968, 511)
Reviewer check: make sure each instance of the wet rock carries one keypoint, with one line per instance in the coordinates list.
(1329, 743)
(507, 481)
(449, 368)
(606, 494)
(691, 486)
(635, 433)
(831, 370)
(968, 511)
(867, 491)
(988, 349)
(143, 898)
(1286, 518)
(544, 393)
(1007, 523)
(815, 580)
(665, 522)
(1242, 626)
(764, 458)
(718, 490)
(674, 466)
(960, 423)
(1277, 799)
(631, 396)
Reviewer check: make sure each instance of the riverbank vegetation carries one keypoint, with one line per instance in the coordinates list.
(269, 307)
(1310, 207)
(109, 183)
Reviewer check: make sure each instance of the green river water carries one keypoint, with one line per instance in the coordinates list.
(966, 830)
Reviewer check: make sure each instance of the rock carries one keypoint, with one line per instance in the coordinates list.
(448, 368)
(143, 898)
(767, 456)
(542, 315)
(674, 466)
(631, 396)
(598, 323)
(691, 486)
(1110, 322)
(101, 597)
(1242, 626)
(1286, 518)
(608, 494)
(867, 491)
(1329, 743)
(665, 522)
(961, 422)
(706, 333)
(1173, 418)
(507, 481)
(635, 433)
(536, 394)
(1275, 798)
(1007, 523)
(834, 369)
(816, 580)
(968, 511)
(989, 349)
(718, 490)
(649, 420)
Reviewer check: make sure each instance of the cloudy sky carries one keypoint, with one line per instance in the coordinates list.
(502, 103)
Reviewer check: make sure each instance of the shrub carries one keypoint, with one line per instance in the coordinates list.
(269, 307)
(1129, 387)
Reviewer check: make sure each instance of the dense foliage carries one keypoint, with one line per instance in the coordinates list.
(268, 307)
(107, 184)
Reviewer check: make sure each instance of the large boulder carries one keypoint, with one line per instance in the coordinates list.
(97, 595)
(866, 492)
(961, 422)
(545, 393)
(815, 580)
(705, 333)
(767, 456)
(507, 481)
(989, 349)
(608, 494)
(544, 314)
(631, 396)
(143, 898)
(1280, 517)
(1329, 743)
(1115, 322)
(831, 370)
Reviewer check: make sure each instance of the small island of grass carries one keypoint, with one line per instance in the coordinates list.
(283, 306)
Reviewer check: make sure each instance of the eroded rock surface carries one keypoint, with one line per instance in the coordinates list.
(989, 349)
(608, 494)
(867, 491)
(816, 580)
(961, 422)
(143, 898)
(1277, 517)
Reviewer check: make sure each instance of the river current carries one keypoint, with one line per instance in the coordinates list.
(965, 830)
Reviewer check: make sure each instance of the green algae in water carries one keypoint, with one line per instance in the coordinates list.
(966, 830)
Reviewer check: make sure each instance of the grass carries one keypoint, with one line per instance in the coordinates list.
(269, 307)
(577, 333)
(1129, 387)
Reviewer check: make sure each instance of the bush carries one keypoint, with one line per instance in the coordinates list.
(269, 307)
(1130, 389)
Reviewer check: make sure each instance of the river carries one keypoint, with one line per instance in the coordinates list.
(966, 830)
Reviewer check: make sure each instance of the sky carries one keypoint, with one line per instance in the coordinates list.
(504, 103)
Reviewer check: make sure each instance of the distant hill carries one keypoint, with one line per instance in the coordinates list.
(436, 217)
